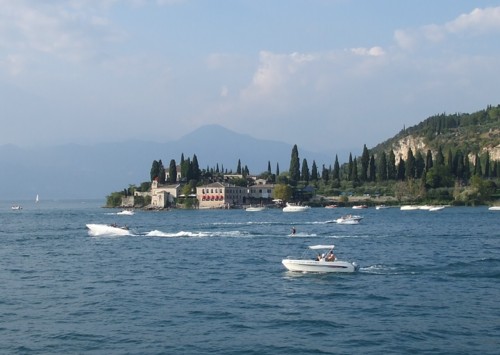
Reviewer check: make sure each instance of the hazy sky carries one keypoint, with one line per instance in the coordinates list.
(327, 75)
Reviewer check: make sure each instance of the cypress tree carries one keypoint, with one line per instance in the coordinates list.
(372, 168)
(304, 176)
(161, 172)
(172, 172)
(391, 166)
(336, 169)
(365, 161)
(382, 167)
(401, 170)
(487, 168)
(324, 175)
(196, 172)
(238, 169)
(428, 161)
(449, 162)
(477, 167)
(439, 157)
(269, 168)
(294, 171)
(410, 165)
(314, 172)
(419, 165)
(155, 170)
(350, 169)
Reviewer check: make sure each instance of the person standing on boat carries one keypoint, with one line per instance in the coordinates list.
(293, 231)
(330, 256)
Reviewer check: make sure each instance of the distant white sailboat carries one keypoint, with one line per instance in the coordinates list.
(37, 199)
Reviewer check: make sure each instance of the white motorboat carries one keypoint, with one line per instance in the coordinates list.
(359, 207)
(409, 208)
(381, 207)
(436, 208)
(16, 208)
(349, 219)
(291, 207)
(255, 208)
(323, 262)
(107, 229)
(494, 208)
(126, 213)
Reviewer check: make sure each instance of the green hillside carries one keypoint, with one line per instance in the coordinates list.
(472, 133)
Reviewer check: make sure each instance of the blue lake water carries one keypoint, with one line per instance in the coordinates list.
(194, 282)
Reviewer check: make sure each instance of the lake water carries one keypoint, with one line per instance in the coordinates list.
(195, 282)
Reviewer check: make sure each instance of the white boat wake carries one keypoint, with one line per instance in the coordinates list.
(96, 230)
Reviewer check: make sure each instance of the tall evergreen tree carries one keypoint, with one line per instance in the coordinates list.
(401, 170)
(449, 162)
(477, 167)
(410, 165)
(277, 170)
(238, 169)
(155, 170)
(185, 169)
(355, 176)
(314, 172)
(350, 168)
(487, 168)
(336, 169)
(172, 172)
(195, 168)
(161, 172)
(365, 161)
(294, 171)
(304, 176)
(325, 175)
(439, 157)
(391, 166)
(466, 167)
(428, 161)
(372, 169)
(419, 165)
(269, 168)
(458, 165)
(382, 167)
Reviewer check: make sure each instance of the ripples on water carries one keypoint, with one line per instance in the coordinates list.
(212, 282)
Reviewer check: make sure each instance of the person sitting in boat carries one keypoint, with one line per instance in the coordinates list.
(330, 256)
(318, 257)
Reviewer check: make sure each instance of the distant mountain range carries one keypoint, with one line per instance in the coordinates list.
(85, 172)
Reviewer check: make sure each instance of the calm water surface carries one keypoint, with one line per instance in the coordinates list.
(191, 282)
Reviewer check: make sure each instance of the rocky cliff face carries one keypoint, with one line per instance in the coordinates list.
(400, 148)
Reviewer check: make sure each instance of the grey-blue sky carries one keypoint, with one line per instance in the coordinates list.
(324, 74)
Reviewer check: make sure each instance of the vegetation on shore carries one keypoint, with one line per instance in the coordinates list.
(455, 167)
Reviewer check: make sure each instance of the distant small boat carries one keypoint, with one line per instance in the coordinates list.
(16, 208)
(126, 213)
(381, 207)
(359, 207)
(436, 208)
(255, 208)
(331, 206)
(494, 208)
(37, 198)
(349, 219)
(409, 208)
(290, 207)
